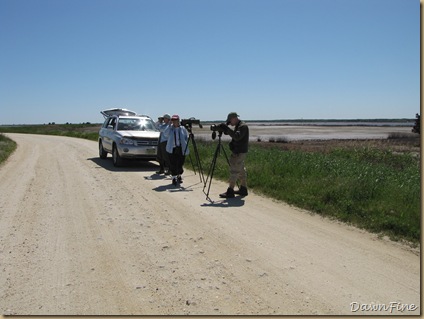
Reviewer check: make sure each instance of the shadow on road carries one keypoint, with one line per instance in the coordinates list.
(146, 166)
(129, 165)
(169, 186)
(226, 203)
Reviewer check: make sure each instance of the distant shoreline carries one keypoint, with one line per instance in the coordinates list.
(335, 122)
(298, 122)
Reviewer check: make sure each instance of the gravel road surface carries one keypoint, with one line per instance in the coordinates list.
(81, 237)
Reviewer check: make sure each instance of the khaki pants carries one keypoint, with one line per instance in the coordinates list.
(237, 170)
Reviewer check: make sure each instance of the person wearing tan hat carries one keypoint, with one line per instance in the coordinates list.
(239, 146)
(177, 149)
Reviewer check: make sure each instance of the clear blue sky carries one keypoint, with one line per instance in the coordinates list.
(66, 60)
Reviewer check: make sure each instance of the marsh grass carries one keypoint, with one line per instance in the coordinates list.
(369, 188)
(85, 131)
(7, 146)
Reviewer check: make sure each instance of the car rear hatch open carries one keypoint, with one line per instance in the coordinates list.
(117, 111)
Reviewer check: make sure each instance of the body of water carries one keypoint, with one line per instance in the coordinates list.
(291, 131)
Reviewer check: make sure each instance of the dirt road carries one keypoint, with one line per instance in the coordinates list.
(80, 237)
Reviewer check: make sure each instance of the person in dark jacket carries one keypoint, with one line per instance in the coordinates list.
(162, 155)
(239, 146)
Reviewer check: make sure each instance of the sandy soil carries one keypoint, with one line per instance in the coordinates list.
(80, 237)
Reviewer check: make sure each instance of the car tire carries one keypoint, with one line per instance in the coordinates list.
(117, 159)
(102, 152)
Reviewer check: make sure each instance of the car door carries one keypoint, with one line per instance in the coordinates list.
(108, 132)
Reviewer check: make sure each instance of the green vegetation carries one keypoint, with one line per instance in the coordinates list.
(369, 188)
(7, 146)
(372, 188)
(86, 131)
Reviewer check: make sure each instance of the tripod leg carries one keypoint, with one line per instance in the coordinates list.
(197, 157)
(211, 171)
(199, 164)
(191, 161)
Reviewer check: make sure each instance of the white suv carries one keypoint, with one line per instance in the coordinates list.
(125, 134)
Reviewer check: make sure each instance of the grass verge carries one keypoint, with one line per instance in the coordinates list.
(7, 146)
(86, 131)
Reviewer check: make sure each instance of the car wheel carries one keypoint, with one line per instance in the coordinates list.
(117, 159)
(102, 152)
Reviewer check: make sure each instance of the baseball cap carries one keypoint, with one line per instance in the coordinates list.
(231, 115)
(167, 116)
(175, 117)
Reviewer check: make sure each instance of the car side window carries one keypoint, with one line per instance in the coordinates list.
(111, 124)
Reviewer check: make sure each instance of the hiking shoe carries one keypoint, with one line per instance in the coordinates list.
(180, 179)
(242, 191)
(161, 171)
(228, 194)
(174, 181)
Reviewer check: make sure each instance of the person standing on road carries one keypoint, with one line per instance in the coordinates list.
(177, 148)
(162, 155)
(159, 122)
(239, 147)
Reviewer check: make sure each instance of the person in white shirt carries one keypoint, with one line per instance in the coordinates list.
(177, 149)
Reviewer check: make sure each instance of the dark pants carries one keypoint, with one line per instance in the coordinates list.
(176, 161)
(162, 155)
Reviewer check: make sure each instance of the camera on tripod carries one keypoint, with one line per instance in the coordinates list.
(220, 128)
(188, 123)
(216, 129)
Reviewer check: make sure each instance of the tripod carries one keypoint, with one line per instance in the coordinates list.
(196, 154)
(219, 147)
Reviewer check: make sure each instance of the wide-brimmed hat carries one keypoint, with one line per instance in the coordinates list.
(231, 115)
(167, 116)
